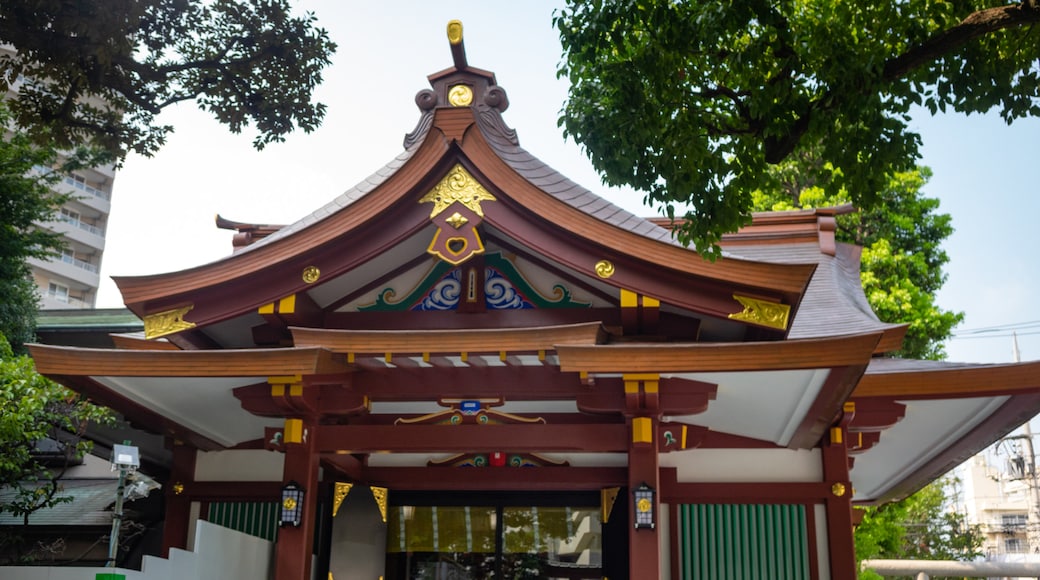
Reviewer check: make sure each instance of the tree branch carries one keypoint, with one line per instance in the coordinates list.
(976, 25)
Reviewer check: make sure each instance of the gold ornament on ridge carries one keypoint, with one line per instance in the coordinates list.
(604, 269)
(457, 186)
(454, 31)
(167, 322)
(460, 96)
(311, 274)
(457, 220)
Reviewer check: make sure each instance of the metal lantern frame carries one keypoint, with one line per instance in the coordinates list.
(291, 505)
(643, 502)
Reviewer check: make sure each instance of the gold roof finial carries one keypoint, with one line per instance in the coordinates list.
(458, 49)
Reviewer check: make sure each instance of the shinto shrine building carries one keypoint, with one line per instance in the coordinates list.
(468, 366)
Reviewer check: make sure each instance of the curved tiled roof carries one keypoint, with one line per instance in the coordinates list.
(834, 303)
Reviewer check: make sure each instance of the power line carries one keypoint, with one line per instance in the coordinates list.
(999, 327)
(956, 336)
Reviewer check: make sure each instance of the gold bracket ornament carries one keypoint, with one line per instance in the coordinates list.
(340, 494)
(762, 312)
(167, 322)
(607, 496)
(379, 494)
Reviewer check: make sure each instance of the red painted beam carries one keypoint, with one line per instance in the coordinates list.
(472, 438)
(496, 478)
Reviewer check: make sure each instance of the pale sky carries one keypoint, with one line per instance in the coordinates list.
(163, 207)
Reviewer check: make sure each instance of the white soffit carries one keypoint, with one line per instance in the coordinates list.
(766, 405)
(203, 405)
(929, 428)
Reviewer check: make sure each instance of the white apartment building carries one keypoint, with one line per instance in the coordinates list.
(71, 279)
(1000, 494)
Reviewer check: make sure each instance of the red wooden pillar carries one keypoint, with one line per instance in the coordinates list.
(839, 502)
(644, 545)
(294, 546)
(178, 498)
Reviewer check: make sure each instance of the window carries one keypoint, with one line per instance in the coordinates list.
(58, 292)
(69, 216)
(482, 540)
(1014, 546)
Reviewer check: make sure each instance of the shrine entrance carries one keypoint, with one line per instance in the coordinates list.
(501, 535)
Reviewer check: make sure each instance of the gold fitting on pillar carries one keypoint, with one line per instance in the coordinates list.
(837, 437)
(642, 430)
(293, 431)
(838, 489)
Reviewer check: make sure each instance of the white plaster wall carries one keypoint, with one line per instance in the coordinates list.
(745, 465)
(239, 465)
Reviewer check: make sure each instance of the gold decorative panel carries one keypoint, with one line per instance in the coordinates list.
(771, 314)
(167, 322)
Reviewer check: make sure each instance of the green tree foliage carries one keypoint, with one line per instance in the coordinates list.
(919, 527)
(27, 172)
(691, 102)
(903, 259)
(99, 71)
(34, 409)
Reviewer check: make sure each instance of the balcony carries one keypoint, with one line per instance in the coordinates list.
(86, 234)
(92, 197)
(77, 271)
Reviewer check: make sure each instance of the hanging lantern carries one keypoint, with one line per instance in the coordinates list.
(292, 505)
(643, 501)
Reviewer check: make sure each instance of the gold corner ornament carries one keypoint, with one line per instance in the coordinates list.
(765, 313)
(838, 489)
(311, 274)
(379, 494)
(340, 494)
(454, 31)
(167, 322)
(607, 495)
(604, 269)
(457, 186)
(460, 96)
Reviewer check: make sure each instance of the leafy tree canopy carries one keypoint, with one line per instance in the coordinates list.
(918, 527)
(35, 409)
(902, 261)
(691, 102)
(99, 71)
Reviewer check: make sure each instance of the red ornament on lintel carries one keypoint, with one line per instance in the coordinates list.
(497, 459)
